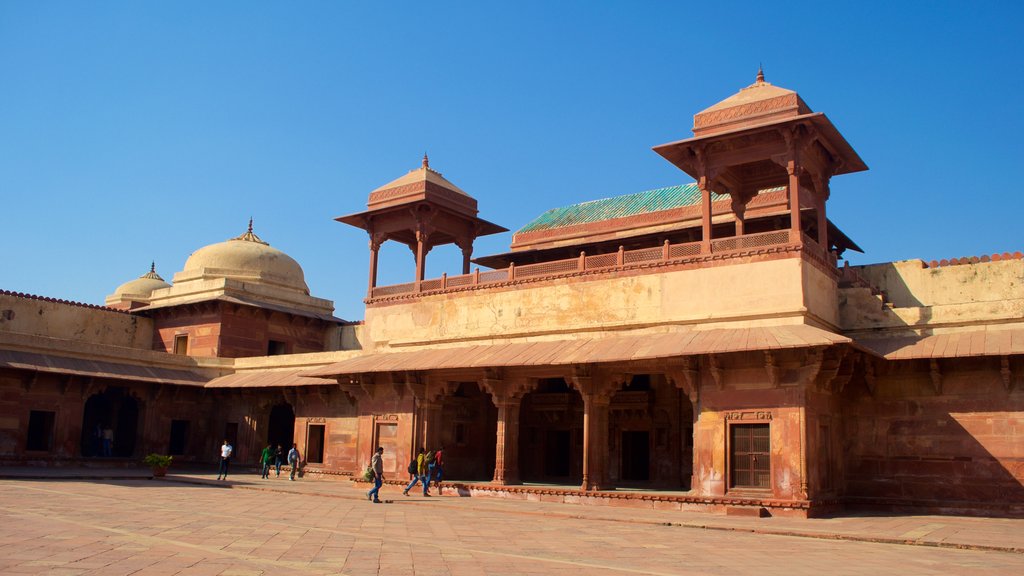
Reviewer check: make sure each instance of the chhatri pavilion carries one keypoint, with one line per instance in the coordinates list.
(698, 346)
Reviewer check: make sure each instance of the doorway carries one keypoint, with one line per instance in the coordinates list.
(281, 426)
(110, 424)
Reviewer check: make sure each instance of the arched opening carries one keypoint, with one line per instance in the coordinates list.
(110, 424)
(551, 434)
(281, 426)
(469, 433)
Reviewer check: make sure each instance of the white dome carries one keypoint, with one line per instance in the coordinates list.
(245, 258)
(140, 288)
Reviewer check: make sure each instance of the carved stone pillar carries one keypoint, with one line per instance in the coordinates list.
(820, 198)
(466, 245)
(430, 416)
(595, 441)
(375, 241)
(421, 255)
(506, 460)
(705, 219)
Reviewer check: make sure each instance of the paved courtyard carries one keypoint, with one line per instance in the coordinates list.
(192, 525)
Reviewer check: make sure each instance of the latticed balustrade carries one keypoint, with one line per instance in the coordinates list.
(610, 261)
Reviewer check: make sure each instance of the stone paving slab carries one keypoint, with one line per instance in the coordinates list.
(199, 526)
(1000, 534)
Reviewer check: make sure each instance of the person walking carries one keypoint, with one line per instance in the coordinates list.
(293, 460)
(278, 459)
(265, 458)
(438, 469)
(225, 459)
(377, 466)
(421, 473)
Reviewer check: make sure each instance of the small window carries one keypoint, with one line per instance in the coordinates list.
(179, 437)
(181, 344)
(315, 444)
(750, 458)
(276, 348)
(40, 431)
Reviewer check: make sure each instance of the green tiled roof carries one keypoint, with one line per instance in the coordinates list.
(619, 207)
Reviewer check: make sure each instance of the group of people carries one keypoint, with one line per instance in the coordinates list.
(425, 468)
(103, 441)
(269, 456)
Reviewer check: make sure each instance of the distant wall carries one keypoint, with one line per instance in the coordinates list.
(54, 319)
(922, 297)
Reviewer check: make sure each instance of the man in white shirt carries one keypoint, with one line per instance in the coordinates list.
(225, 459)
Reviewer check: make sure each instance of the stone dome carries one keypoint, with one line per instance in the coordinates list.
(140, 288)
(246, 258)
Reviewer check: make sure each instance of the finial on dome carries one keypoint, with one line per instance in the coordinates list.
(760, 74)
(250, 236)
(152, 272)
(426, 161)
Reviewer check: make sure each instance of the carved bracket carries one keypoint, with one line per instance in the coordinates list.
(771, 368)
(870, 378)
(1006, 373)
(936, 375)
(686, 378)
(829, 363)
(715, 367)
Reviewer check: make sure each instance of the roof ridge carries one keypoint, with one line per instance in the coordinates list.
(59, 301)
(996, 257)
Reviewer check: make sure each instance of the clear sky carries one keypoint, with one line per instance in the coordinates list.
(141, 131)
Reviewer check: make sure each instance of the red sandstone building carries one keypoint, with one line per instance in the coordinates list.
(695, 346)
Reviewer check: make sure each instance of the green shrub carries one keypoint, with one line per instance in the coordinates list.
(157, 461)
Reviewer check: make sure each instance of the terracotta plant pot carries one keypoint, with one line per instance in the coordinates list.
(159, 472)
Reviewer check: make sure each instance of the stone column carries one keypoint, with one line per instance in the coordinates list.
(794, 201)
(430, 412)
(374, 250)
(421, 255)
(595, 441)
(705, 220)
(820, 198)
(506, 460)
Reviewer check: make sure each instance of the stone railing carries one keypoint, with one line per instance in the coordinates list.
(666, 253)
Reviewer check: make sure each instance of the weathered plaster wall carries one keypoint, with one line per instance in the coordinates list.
(62, 320)
(747, 396)
(735, 293)
(945, 296)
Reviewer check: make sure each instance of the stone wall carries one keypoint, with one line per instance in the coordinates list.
(70, 321)
(922, 297)
(736, 292)
(953, 445)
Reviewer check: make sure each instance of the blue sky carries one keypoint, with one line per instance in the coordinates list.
(139, 131)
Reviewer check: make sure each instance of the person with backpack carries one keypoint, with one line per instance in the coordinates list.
(293, 460)
(421, 473)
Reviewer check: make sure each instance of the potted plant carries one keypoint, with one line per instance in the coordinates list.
(158, 463)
